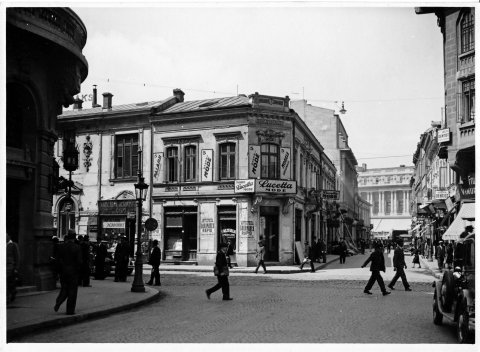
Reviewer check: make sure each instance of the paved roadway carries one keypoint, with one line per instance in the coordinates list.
(328, 306)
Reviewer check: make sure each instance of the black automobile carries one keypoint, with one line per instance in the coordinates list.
(454, 295)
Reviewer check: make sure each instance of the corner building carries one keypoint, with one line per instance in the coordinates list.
(230, 169)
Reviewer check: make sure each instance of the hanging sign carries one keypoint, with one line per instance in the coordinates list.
(254, 161)
(113, 225)
(443, 135)
(244, 186)
(157, 166)
(276, 186)
(207, 165)
(285, 163)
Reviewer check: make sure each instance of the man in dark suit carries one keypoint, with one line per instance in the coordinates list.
(398, 266)
(154, 261)
(378, 264)
(70, 262)
(85, 270)
(222, 276)
(121, 258)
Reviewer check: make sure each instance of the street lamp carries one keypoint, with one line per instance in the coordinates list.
(70, 157)
(140, 194)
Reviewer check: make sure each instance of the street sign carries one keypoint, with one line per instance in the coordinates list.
(151, 224)
(329, 194)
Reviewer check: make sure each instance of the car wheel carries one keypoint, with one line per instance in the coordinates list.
(464, 335)
(447, 291)
(437, 316)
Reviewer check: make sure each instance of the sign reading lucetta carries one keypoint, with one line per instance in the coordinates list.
(285, 163)
(207, 165)
(244, 186)
(254, 161)
(275, 186)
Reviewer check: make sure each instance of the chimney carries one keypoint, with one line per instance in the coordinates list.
(94, 98)
(179, 94)
(77, 103)
(107, 101)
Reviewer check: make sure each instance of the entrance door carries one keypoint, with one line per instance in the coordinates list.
(298, 230)
(269, 229)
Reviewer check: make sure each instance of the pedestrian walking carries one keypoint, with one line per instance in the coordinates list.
(121, 257)
(154, 261)
(13, 260)
(399, 266)
(260, 256)
(100, 256)
(229, 253)
(377, 264)
(343, 251)
(70, 262)
(221, 272)
(440, 253)
(85, 269)
(307, 257)
(449, 256)
(315, 250)
(416, 258)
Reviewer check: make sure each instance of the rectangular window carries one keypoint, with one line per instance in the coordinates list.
(468, 101)
(227, 161)
(126, 151)
(190, 163)
(270, 164)
(172, 164)
(467, 33)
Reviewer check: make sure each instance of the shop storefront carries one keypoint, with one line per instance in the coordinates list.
(180, 233)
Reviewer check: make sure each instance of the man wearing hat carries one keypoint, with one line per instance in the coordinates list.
(399, 266)
(260, 256)
(154, 261)
(440, 252)
(70, 262)
(221, 273)
(121, 257)
(378, 264)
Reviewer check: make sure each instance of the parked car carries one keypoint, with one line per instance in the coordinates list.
(454, 295)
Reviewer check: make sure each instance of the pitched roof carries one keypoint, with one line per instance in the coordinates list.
(208, 104)
(145, 106)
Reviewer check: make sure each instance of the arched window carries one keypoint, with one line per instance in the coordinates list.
(270, 164)
(66, 218)
(467, 33)
(227, 161)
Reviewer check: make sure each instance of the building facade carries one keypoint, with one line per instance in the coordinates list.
(455, 135)
(388, 191)
(45, 67)
(228, 169)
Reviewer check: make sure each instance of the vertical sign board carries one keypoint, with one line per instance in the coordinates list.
(285, 155)
(246, 240)
(207, 165)
(157, 233)
(207, 228)
(254, 161)
(157, 167)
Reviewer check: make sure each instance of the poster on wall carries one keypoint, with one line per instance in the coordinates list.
(207, 228)
(207, 165)
(157, 166)
(254, 161)
(285, 163)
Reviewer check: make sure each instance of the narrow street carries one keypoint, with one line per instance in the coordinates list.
(289, 308)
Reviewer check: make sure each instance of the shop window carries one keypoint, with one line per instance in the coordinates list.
(227, 225)
(172, 164)
(126, 155)
(227, 161)
(270, 162)
(467, 33)
(190, 163)
(66, 218)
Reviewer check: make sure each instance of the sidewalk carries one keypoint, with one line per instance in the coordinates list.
(34, 310)
(432, 267)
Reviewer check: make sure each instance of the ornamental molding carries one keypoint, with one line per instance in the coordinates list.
(87, 152)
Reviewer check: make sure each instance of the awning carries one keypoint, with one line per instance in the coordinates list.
(467, 211)
(381, 225)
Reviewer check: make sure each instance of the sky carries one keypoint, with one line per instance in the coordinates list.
(384, 63)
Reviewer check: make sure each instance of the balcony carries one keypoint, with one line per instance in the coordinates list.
(466, 135)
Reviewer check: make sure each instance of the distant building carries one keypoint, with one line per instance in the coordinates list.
(44, 69)
(388, 190)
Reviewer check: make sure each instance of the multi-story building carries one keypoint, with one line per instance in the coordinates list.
(45, 67)
(456, 134)
(388, 190)
(228, 169)
(325, 123)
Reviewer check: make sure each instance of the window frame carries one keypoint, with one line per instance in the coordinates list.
(467, 33)
(468, 100)
(129, 140)
(273, 173)
(190, 163)
(230, 169)
(169, 161)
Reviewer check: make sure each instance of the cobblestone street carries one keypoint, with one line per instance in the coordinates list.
(291, 308)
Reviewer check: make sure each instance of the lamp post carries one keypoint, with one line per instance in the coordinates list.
(140, 194)
(70, 157)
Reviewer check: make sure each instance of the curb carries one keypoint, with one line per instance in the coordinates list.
(73, 319)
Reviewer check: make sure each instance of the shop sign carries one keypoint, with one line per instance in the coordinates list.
(467, 192)
(329, 194)
(207, 227)
(229, 234)
(157, 166)
(276, 186)
(116, 207)
(254, 161)
(247, 228)
(151, 224)
(441, 194)
(113, 225)
(207, 165)
(244, 186)
(285, 157)
(443, 135)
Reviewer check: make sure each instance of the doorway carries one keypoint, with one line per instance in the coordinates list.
(269, 229)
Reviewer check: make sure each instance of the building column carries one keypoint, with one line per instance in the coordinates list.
(393, 201)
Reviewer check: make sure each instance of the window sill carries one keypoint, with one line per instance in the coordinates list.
(123, 180)
(466, 54)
